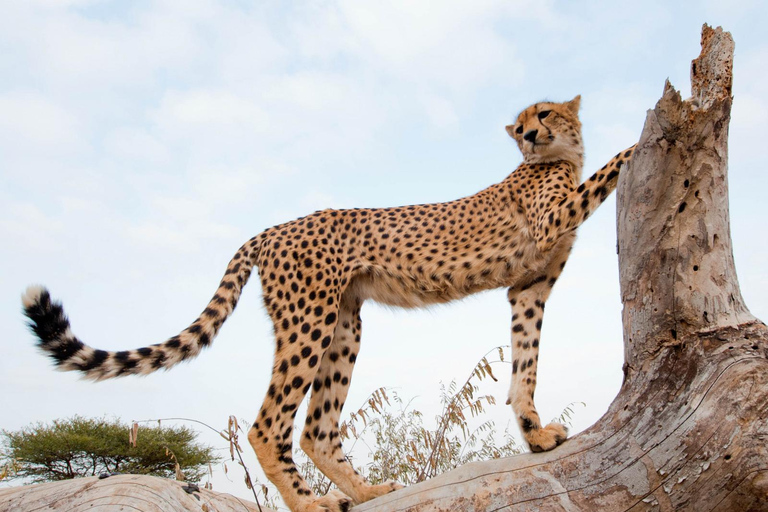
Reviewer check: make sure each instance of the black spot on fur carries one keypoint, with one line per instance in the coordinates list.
(158, 360)
(96, 360)
(526, 424)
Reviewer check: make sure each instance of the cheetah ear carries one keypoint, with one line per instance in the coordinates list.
(574, 104)
(510, 130)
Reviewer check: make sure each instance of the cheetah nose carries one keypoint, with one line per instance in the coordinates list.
(530, 135)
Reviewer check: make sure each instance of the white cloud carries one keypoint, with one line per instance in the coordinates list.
(750, 107)
(454, 47)
(222, 187)
(62, 4)
(34, 123)
(128, 144)
(24, 224)
(207, 191)
(210, 127)
(311, 201)
(209, 111)
(726, 13)
(186, 238)
(441, 113)
(612, 119)
(327, 111)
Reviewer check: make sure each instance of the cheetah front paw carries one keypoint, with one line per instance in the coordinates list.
(547, 438)
(374, 491)
(333, 501)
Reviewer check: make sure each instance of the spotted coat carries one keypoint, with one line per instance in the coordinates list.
(317, 271)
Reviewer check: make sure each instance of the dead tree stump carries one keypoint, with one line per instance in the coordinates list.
(688, 430)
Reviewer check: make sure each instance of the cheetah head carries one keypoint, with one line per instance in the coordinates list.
(547, 132)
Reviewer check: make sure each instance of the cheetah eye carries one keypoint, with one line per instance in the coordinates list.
(544, 113)
(519, 129)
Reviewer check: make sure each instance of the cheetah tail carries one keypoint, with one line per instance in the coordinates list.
(51, 326)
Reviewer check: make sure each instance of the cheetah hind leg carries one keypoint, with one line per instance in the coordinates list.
(320, 439)
(300, 347)
(333, 501)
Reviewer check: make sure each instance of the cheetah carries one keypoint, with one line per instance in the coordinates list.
(317, 271)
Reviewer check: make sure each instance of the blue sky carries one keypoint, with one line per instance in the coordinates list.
(142, 142)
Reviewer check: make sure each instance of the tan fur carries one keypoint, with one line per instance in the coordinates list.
(317, 271)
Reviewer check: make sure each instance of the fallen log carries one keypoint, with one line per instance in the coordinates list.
(120, 492)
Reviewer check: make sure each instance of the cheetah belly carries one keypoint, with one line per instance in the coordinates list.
(413, 289)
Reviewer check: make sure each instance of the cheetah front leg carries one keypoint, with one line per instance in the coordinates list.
(320, 439)
(571, 211)
(527, 303)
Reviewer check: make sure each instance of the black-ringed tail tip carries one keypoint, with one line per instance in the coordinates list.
(49, 322)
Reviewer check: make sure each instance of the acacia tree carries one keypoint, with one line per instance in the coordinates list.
(688, 429)
(79, 447)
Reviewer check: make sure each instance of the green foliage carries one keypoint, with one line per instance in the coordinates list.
(80, 446)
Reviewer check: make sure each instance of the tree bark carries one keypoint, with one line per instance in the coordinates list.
(688, 429)
(119, 492)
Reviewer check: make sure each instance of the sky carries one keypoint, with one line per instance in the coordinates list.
(141, 143)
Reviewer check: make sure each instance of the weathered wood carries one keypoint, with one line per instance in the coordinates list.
(688, 429)
(675, 257)
(119, 492)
